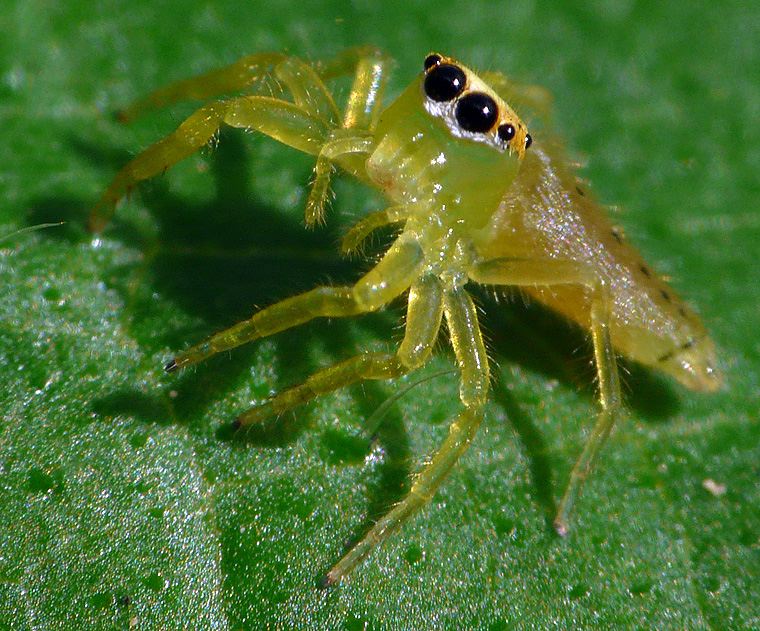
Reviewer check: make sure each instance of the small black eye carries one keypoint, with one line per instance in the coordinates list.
(528, 140)
(476, 112)
(432, 60)
(506, 132)
(444, 82)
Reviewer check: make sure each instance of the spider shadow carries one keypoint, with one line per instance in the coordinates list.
(218, 260)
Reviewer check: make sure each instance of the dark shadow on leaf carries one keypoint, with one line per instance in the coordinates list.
(74, 210)
(535, 449)
(389, 481)
(650, 393)
(133, 403)
(390, 435)
(218, 261)
(68, 211)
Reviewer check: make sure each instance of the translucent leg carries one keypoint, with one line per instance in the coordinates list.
(365, 99)
(423, 321)
(281, 120)
(469, 349)
(369, 65)
(308, 90)
(232, 78)
(246, 72)
(390, 277)
(341, 144)
(554, 272)
(313, 114)
(362, 229)
(354, 137)
(314, 211)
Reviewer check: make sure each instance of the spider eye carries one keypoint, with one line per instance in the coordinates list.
(528, 140)
(432, 60)
(444, 82)
(506, 132)
(476, 112)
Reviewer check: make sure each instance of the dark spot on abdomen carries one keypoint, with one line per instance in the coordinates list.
(682, 347)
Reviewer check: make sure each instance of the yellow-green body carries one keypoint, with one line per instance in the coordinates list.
(547, 214)
(534, 210)
(476, 201)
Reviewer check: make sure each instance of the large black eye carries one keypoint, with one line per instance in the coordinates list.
(476, 112)
(444, 82)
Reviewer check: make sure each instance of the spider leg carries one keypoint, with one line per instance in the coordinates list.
(299, 78)
(370, 69)
(343, 146)
(279, 119)
(422, 324)
(353, 239)
(245, 73)
(557, 272)
(308, 90)
(462, 321)
(390, 277)
(232, 78)
(310, 123)
(351, 142)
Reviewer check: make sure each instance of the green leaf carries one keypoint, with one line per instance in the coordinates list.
(122, 499)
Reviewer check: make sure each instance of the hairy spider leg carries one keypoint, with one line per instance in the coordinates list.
(353, 239)
(467, 341)
(550, 273)
(423, 321)
(343, 145)
(351, 143)
(241, 74)
(307, 89)
(310, 124)
(394, 274)
(281, 120)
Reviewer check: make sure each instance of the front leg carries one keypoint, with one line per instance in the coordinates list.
(392, 276)
(250, 70)
(278, 119)
(311, 123)
(423, 319)
(366, 63)
(232, 78)
(351, 143)
(549, 273)
(369, 65)
(345, 147)
(466, 338)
